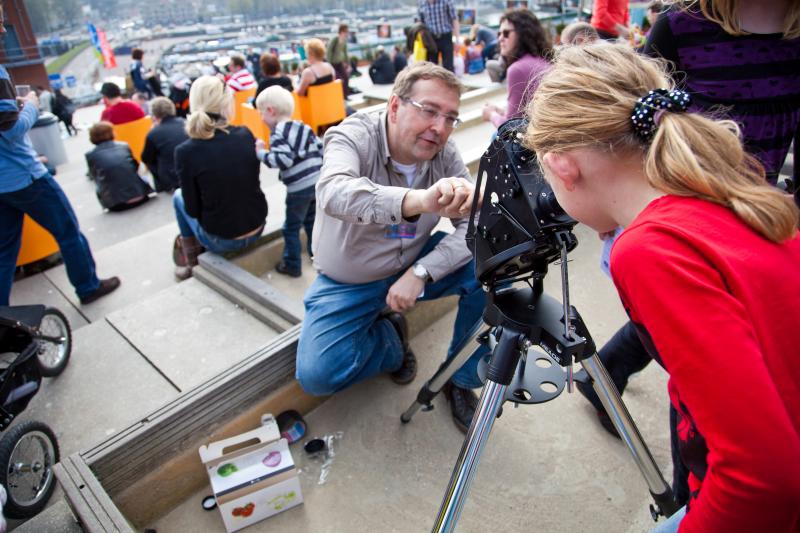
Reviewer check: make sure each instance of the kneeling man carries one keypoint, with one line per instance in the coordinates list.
(386, 180)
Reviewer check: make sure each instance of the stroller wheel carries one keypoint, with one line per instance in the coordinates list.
(55, 343)
(28, 452)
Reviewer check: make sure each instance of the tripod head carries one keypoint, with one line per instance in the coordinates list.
(521, 227)
(520, 230)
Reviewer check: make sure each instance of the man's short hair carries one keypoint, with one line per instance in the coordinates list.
(110, 90)
(101, 132)
(424, 70)
(270, 65)
(577, 30)
(137, 53)
(656, 5)
(161, 107)
(278, 98)
(343, 28)
(237, 60)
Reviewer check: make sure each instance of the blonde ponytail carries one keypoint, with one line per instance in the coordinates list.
(685, 158)
(586, 100)
(209, 103)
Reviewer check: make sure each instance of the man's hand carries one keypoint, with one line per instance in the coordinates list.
(30, 97)
(448, 197)
(404, 292)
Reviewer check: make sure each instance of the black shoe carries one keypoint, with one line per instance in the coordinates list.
(408, 368)
(283, 269)
(463, 403)
(587, 391)
(106, 286)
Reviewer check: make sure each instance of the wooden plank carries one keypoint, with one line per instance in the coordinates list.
(91, 504)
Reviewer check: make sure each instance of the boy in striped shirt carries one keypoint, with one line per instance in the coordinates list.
(297, 153)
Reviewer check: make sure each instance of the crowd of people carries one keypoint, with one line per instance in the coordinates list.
(676, 168)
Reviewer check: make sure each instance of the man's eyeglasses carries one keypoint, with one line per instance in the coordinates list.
(432, 114)
(504, 34)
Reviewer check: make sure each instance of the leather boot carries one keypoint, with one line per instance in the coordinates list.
(185, 252)
(191, 249)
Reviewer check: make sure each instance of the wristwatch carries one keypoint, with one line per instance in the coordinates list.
(421, 272)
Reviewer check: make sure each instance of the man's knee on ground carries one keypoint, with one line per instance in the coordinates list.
(313, 380)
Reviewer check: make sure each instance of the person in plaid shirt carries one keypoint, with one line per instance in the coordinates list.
(440, 18)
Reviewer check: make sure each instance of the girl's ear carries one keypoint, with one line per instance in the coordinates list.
(562, 167)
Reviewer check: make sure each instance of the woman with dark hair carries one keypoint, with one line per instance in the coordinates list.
(272, 75)
(113, 169)
(524, 45)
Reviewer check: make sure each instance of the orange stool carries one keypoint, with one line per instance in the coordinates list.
(37, 243)
(134, 133)
(323, 105)
(239, 98)
(251, 118)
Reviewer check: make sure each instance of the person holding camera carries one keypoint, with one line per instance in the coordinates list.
(386, 180)
(26, 187)
(706, 269)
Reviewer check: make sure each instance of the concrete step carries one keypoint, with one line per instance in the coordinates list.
(57, 518)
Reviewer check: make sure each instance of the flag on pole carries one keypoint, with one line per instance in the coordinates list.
(102, 50)
(109, 61)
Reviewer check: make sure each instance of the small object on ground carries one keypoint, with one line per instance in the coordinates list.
(314, 446)
(292, 426)
(209, 503)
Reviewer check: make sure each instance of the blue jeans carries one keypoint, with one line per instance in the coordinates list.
(45, 202)
(190, 227)
(671, 524)
(301, 207)
(343, 342)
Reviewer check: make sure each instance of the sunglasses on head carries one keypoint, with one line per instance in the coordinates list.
(504, 33)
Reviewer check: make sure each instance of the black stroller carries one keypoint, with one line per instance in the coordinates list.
(35, 341)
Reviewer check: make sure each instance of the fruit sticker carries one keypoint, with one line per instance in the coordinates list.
(272, 459)
(227, 469)
(245, 511)
(279, 502)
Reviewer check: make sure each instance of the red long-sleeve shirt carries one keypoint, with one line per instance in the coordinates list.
(719, 306)
(122, 112)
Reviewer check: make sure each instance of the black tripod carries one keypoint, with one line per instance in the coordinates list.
(517, 231)
(520, 318)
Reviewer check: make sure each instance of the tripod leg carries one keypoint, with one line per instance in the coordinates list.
(467, 463)
(605, 389)
(432, 387)
(501, 367)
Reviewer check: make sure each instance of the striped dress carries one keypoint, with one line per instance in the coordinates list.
(752, 79)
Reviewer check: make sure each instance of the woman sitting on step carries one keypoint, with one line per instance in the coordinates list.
(114, 171)
(220, 206)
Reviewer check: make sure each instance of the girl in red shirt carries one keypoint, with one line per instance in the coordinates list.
(707, 269)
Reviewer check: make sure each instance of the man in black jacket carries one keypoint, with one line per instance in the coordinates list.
(159, 148)
(382, 69)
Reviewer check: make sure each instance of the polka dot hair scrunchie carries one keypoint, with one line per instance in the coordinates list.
(649, 108)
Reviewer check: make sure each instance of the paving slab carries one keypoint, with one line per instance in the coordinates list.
(549, 467)
(38, 289)
(106, 386)
(190, 332)
(143, 263)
